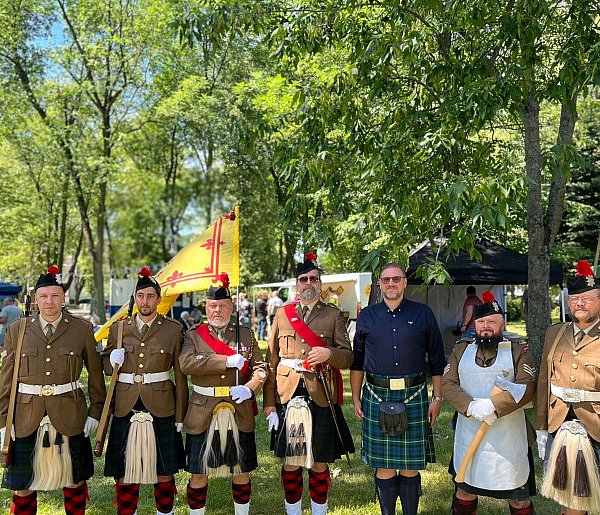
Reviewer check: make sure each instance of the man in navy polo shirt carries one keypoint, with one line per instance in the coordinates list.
(394, 343)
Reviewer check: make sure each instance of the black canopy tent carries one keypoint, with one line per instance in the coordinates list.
(498, 265)
(9, 290)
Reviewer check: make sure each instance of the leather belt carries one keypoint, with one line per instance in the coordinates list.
(212, 391)
(573, 395)
(45, 390)
(294, 364)
(144, 378)
(396, 383)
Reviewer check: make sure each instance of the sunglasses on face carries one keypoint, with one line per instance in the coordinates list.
(393, 279)
(309, 278)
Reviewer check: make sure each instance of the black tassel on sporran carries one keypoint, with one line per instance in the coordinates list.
(559, 481)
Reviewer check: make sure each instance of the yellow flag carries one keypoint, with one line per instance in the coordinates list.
(197, 266)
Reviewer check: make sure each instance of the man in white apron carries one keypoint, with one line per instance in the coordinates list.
(502, 465)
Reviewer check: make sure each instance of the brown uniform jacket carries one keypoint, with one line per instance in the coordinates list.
(158, 351)
(571, 367)
(58, 361)
(524, 367)
(208, 368)
(328, 323)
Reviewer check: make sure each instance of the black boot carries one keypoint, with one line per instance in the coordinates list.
(409, 489)
(387, 494)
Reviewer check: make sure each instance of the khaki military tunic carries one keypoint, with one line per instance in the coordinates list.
(157, 351)
(571, 366)
(326, 322)
(57, 361)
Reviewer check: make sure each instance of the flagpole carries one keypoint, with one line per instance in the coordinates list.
(237, 332)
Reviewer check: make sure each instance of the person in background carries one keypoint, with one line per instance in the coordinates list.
(468, 321)
(10, 312)
(261, 315)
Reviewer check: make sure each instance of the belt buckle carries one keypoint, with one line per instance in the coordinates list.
(397, 384)
(571, 395)
(47, 390)
(138, 378)
(221, 391)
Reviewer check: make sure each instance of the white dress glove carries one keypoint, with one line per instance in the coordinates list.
(89, 426)
(490, 419)
(481, 408)
(273, 421)
(179, 426)
(3, 433)
(236, 361)
(117, 357)
(542, 440)
(240, 393)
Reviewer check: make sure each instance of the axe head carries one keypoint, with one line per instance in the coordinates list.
(516, 390)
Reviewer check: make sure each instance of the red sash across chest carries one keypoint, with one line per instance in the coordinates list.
(219, 346)
(310, 337)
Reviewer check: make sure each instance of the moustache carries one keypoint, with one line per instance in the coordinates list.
(488, 343)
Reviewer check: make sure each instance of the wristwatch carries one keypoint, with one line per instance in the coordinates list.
(437, 398)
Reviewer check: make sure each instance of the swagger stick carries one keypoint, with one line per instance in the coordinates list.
(321, 375)
(104, 418)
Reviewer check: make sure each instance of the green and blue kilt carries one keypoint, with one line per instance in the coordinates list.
(19, 474)
(412, 450)
(194, 449)
(170, 456)
(326, 444)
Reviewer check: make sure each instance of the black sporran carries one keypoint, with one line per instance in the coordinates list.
(393, 419)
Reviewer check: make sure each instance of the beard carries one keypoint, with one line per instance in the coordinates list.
(488, 342)
(219, 324)
(308, 294)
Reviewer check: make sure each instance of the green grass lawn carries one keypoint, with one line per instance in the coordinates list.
(352, 490)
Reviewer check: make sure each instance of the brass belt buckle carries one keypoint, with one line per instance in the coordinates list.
(221, 391)
(138, 378)
(571, 395)
(397, 384)
(47, 390)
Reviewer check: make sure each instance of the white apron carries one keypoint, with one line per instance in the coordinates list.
(500, 462)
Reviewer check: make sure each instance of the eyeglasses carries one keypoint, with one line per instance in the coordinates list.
(309, 279)
(393, 279)
(584, 300)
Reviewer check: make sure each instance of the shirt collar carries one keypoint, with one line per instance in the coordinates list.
(586, 331)
(44, 323)
(140, 323)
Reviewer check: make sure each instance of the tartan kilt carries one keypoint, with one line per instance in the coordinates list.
(170, 456)
(194, 449)
(19, 474)
(412, 450)
(326, 444)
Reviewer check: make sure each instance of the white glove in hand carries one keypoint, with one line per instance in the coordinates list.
(490, 419)
(481, 408)
(179, 426)
(89, 426)
(273, 421)
(3, 433)
(240, 393)
(235, 361)
(542, 440)
(117, 357)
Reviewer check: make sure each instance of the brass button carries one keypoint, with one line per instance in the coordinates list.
(141, 354)
(142, 344)
(47, 347)
(47, 360)
(48, 373)
(141, 365)
(574, 353)
(223, 376)
(302, 340)
(574, 365)
(303, 351)
(162, 351)
(72, 353)
(23, 355)
(572, 379)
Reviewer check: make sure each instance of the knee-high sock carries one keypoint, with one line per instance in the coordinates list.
(523, 511)
(463, 507)
(126, 498)
(387, 494)
(76, 499)
(164, 495)
(409, 490)
(291, 481)
(196, 497)
(241, 492)
(319, 484)
(24, 505)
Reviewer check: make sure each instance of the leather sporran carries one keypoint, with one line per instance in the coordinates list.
(393, 419)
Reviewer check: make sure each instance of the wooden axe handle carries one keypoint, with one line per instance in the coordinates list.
(460, 475)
